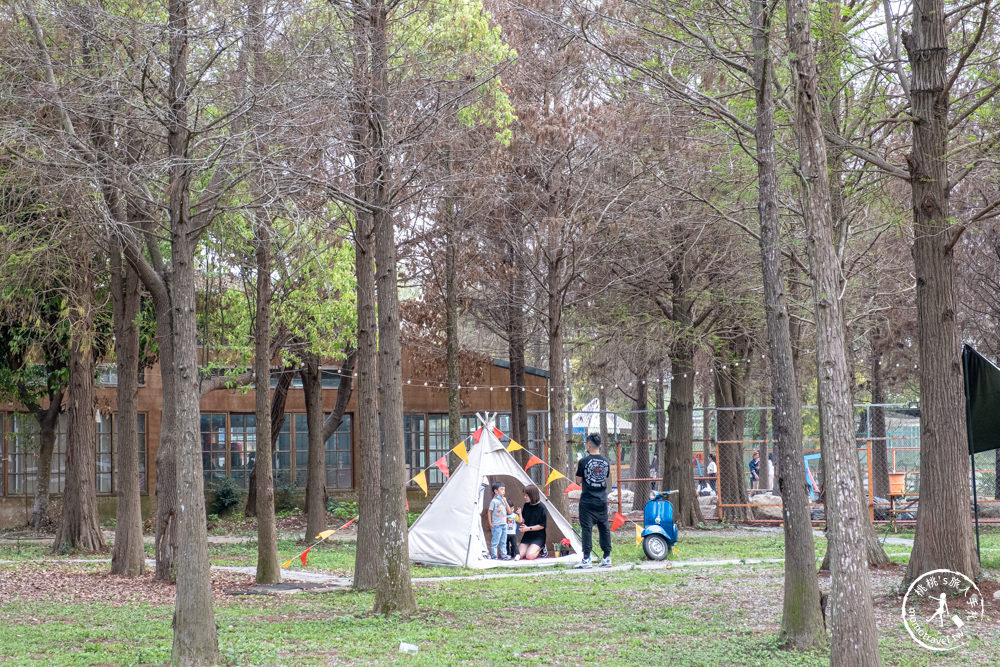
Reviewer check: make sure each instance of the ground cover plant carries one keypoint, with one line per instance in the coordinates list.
(69, 611)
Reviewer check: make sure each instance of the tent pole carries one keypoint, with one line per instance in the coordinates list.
(972, 448)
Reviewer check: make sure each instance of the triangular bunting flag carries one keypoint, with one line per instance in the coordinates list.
(287, 563)
(325, 534)
(442, 465)
(478, 433)
(573, 486)
(421, 479)
(497, 432)
(553, 476)
(461, 452)
(302, 556)
(407, 504)
(533, 461)
(638, 535)
(514, 446)
(618, 521)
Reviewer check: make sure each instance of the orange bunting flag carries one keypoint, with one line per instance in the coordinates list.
(421, 479)
(461, 452)
(618, 521)
(533, 461)
(514, 446)
(553, 476)
(478, 433)
(497, 432)
(638, 535)
(442, 465)
(573, 486)
(407, 504)
(302, 556)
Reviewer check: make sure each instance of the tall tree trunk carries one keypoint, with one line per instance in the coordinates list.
(451, 322)
(268, 569)
(640, 450)
(943, 537)
(394, 592)
(880, 446)
(557, 392)
(278, 400)
(128, 556)
(369, 569)
(516, 341)
(678, 472)
(195, 638)
(78, 528)
(312, 385)
(48, 422)
(166, 540)
(730, 392)
(661, 431)
(854, 634)
(802, 623)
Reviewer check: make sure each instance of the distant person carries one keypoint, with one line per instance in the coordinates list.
(534, 520)
(654, 470)
(592, 475)
(755, 471)
(499, 509)
(770, 469)
(713, 472)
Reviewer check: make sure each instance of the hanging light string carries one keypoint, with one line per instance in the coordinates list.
(541, 391)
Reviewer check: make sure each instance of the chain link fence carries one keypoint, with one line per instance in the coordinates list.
(734, 459)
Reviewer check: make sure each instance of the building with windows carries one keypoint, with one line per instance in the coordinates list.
(229, 434)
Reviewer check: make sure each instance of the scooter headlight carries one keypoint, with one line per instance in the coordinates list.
(652, 495)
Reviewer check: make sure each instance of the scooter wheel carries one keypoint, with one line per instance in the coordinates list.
(655, 547)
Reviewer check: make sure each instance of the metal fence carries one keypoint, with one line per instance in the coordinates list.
(888, 439)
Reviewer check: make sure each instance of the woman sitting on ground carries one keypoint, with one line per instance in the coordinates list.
(534, 519)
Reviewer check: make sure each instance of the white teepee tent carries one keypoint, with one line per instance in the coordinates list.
(450, 530)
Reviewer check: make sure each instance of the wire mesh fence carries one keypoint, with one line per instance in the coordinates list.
(734, 459)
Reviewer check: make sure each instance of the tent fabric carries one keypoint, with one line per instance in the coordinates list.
(450, 531)
(588, 420)
(982, 399)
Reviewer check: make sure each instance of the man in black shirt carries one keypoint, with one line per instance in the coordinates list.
(592, 475)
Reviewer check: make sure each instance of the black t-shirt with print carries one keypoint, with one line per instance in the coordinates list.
(534, 515)
(594, 469)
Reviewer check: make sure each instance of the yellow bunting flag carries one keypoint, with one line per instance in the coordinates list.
(421, 479)
(461, 452)
(514, 446)
(553, 476)
(325, 534)
(638, 535)
(287, 563)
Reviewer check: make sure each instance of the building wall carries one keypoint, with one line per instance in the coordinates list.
(418, 400)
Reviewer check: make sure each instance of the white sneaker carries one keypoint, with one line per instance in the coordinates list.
(606, 561)
(584, 564)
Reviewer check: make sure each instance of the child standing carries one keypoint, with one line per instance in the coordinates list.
(499, 509)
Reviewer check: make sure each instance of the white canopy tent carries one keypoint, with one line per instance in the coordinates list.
(450, 530)
(588, 420)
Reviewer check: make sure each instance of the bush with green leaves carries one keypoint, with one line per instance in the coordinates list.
(227, 495)
(285, 498)
(342, 510)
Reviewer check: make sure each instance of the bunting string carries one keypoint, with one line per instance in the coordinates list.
(320, 539)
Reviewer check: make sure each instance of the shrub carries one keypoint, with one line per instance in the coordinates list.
(342, 510)
(285, 498)
(228, 495)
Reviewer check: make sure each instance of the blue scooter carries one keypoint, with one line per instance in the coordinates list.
(659, 532)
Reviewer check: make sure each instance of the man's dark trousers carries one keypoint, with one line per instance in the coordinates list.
(589, 516)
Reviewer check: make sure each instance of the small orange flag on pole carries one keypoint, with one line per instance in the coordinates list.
(533, 461)
(618, 521)
(478, 433)
(573, 486)
(497, 432)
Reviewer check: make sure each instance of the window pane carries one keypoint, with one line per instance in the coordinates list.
(213, 446)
